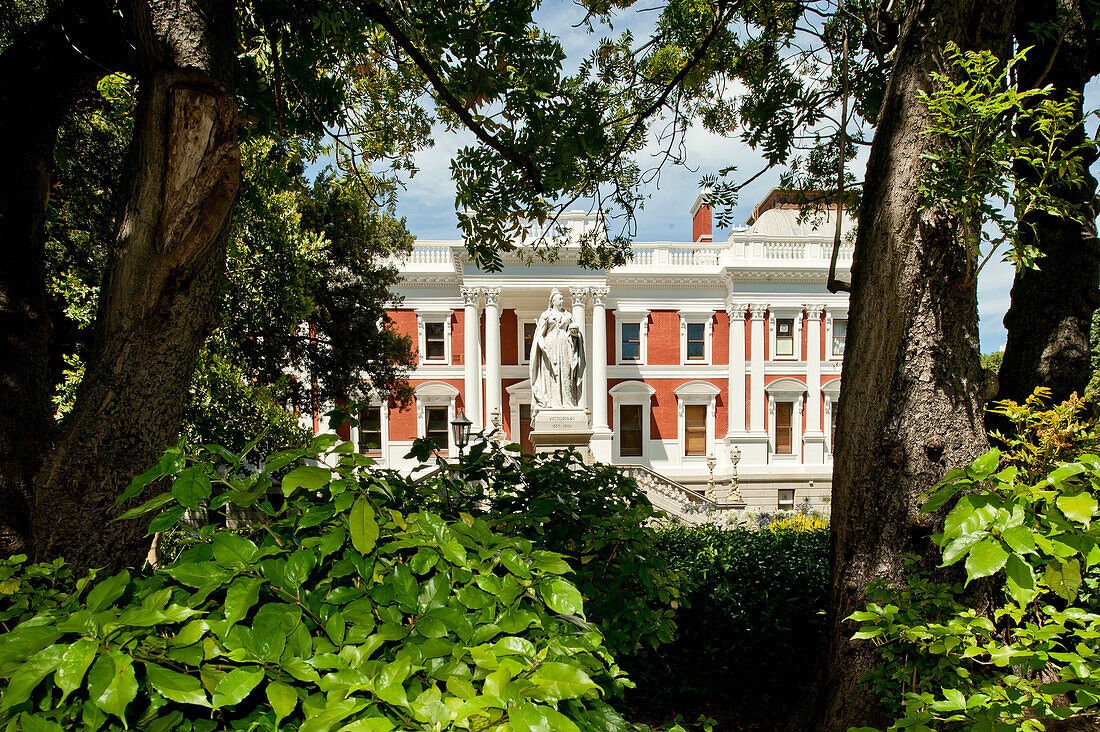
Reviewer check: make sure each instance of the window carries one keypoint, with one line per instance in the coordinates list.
(631, 342)
(783, 428)
(370, 430)
(840, 334)
(630, 430)
(435, 342)
(786, 499)
(784, 337)
(696, 342)
(695, 430)
(528, 339)
(437, 428)
(630, 405)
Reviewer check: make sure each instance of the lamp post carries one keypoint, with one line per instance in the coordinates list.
(711, 462)
(460, 428)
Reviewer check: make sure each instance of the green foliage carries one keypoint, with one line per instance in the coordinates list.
(973, 177)
(332, 611)
(992, 361)
(591, 513)
(751, 623)
(26, 590)
(1022, 526)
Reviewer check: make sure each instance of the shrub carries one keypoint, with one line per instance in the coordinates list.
(591, 513)
(333, 612)
(750, 628)
(1021, 648)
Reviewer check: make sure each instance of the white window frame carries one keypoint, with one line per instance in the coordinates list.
(695, 392)
(435, 394)
(642, 319)
(793, 391)
(518, 393)
(832, 314)
(707, 319)
(384, 422)
(780, 312)
(522, 320)
(631, 392)
(423, 317)
(794, 499)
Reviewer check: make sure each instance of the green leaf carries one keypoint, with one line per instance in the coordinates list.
(1020, 538)
(74, 664)
(1063, 577)
(148, 507)
(240, 597)
(279, 460)
(1080, 508)
(527, 717)
(282, 698)
(107, 591)
(29, 674)
(1020, 580)
(34, 723)
(310, 477)
(562, 596)
(986, 558)
(558, 680)
(233, 550)
(984, 466)
(112, 684)
(137, 485)
(176, 686)
(236, 685)
(363, 526)
(191, 487)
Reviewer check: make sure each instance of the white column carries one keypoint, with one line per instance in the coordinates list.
(756, 372)
(471, 371)
(736, 313)
(598, 358)
(578, 296)
(814, 439)
(492, 356)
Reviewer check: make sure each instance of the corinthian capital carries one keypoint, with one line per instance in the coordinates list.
(492, 295)
(470, 296)
(758, 310)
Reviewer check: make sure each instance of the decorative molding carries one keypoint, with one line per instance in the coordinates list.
(470, 296)
(736, 310)
(578, 296)
(598, 295)
(758, 310)
(814, 310)
(492, 295)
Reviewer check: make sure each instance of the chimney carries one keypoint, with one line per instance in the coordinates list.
(701, 229)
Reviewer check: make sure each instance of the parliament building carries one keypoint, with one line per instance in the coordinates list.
(705, 360)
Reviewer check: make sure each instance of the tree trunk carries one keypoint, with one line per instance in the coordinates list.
(42, 74)
(158, 300)
(910, 405)
(1051, 312)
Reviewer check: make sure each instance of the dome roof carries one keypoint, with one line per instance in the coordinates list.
(783, 222)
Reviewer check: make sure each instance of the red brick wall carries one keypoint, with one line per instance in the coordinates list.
(404, 321)
(611, 336)
(402, 424)
(458, 338)
(663, 337)
(509, 337)
(720, 340)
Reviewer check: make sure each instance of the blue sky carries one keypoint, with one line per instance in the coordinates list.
(428, 201)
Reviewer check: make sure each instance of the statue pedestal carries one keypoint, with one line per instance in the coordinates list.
(561, 429)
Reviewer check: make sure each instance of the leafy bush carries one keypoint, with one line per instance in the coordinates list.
(333, 613)
(750, 627)
(26, 590)
(592, 513)
(1026, 519)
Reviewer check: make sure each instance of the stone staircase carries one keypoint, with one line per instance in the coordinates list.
(674, 499)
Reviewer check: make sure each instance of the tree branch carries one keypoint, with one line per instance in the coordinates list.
(374, 10)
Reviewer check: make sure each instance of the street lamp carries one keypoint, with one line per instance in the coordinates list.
(460, 428)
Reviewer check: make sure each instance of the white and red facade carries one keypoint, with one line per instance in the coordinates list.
(694, 349)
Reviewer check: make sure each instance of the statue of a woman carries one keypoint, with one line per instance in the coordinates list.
(557, 358)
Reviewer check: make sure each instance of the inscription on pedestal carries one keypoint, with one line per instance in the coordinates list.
(560, 420)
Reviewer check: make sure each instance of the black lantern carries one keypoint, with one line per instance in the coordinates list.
(460, 428)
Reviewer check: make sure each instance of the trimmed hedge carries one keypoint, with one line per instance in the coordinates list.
(751, 628)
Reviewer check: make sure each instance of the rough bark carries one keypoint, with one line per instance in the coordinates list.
(158, 299)
(42, 74)
(910, 407)
(1050, 314)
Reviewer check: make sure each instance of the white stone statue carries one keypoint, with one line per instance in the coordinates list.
(557, 358)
